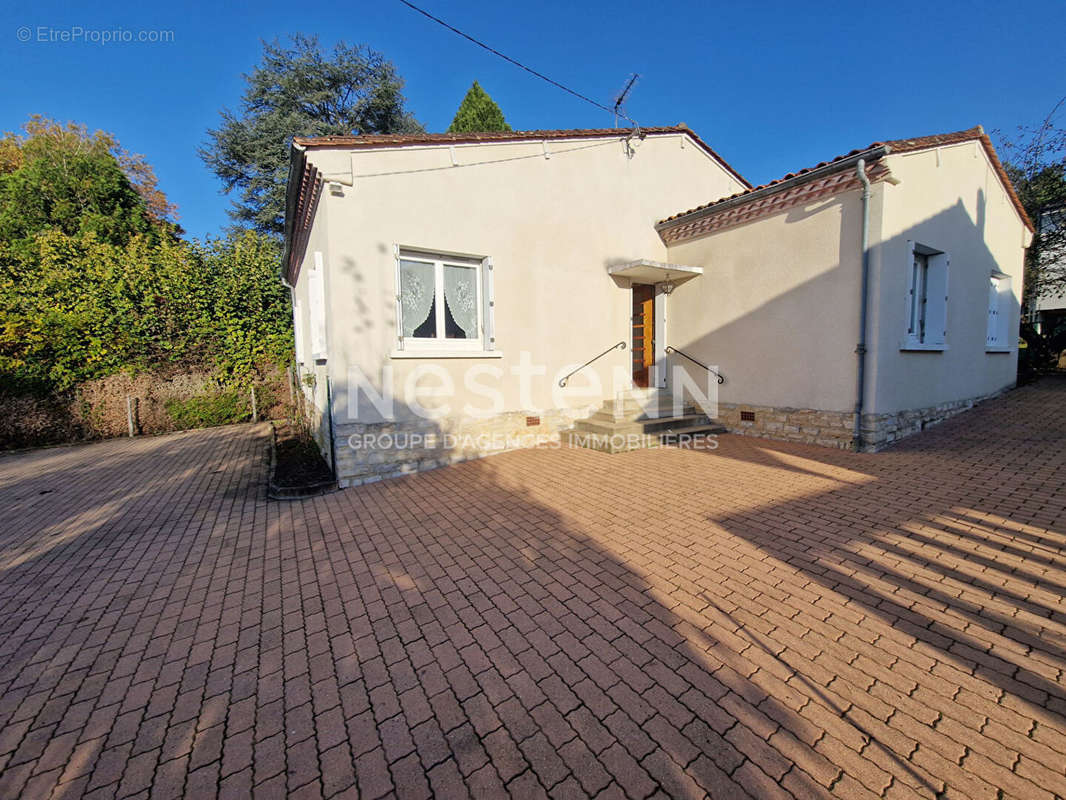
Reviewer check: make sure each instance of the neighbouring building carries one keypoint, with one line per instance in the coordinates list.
(445, 285)
(1047, 310)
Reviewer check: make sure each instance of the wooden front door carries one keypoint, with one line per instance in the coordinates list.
(643, 333)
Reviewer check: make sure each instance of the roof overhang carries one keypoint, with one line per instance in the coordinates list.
(301, 200)
(828, 178)
(644, 270)
(777, 187)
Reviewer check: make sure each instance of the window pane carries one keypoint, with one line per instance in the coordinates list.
(417, 299)
(460, 299)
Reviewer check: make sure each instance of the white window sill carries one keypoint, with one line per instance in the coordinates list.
(446, 354)
(997, 350)
(922, 348)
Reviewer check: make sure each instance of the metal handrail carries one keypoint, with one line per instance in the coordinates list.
(716, 373)
(619, 346)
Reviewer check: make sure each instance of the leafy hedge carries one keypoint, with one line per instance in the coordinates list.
(96, 280)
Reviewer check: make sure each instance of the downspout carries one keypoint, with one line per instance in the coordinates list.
(860, 348)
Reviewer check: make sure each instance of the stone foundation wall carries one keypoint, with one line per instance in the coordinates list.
(807, 425)
(369, 452)
(836, 428)
(881, 430)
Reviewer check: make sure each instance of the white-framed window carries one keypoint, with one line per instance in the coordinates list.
(999, 312)
(443, 301)
(927, 298)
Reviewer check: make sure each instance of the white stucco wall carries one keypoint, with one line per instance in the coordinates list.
(777, 306)
(551, 226)
(949, 199)
(313, 373)
(776, 309)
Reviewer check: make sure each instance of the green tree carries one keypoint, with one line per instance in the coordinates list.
(298, 90)
(478, 112)
(242, 307)
(1036, 163)
(61, 177)
(95, 280)
(77, 307)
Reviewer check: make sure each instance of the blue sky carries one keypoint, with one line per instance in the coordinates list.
(772, 86)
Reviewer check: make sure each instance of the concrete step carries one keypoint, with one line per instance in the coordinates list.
(640, 418)
(652, 408)
(641, 414)
(601, 425)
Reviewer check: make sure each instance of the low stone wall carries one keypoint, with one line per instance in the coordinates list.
(881, 430)
(836, 428)
(368, 452)
(807, 425)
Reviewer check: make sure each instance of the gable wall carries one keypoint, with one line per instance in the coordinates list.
(950, 200)
(552, 226)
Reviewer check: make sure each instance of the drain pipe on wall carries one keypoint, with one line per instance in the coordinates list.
(860, 348)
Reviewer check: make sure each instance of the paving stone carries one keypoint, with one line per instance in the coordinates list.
(761, 619)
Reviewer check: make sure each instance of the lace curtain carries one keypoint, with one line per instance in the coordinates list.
(460, 293)
(416, 294)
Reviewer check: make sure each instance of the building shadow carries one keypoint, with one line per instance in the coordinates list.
(588, 631)
(560, 620)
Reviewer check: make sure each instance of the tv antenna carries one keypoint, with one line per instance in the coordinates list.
(619, 111)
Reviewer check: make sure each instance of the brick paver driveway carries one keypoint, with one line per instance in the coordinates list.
(762, 620)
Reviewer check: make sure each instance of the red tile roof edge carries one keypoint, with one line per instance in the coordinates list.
(303, 212)
(485, 137)
(887, 148)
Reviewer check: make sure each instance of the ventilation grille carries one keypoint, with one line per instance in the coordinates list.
(747, 416)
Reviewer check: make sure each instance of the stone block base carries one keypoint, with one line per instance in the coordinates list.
(836, 428)
(368, 452)
(881, 430)
(807, 425)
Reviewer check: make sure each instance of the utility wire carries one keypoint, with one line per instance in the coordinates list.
(519, 64)
(487, 162)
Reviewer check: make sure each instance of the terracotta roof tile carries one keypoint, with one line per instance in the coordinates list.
(304, 213)
(890, 146)
(764, 205)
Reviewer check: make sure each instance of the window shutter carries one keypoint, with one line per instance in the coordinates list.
(936, 304)
(317, 302)
(399, 306)
(489, 305)
(298, 329)
(993, 312)
(1005, 314)
(1001, 299)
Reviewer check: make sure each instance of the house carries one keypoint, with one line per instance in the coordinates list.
(1047, 310)
(459, 294)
